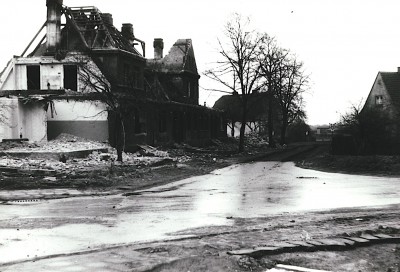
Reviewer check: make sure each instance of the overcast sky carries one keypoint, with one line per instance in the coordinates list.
(343, 43)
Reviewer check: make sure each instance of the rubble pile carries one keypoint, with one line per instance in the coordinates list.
(146, 156)
(255, 140)
(63, 143)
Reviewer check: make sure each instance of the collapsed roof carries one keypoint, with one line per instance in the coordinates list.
(179, 59)
(94, 31)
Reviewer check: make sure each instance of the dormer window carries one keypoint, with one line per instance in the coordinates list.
(379, 100)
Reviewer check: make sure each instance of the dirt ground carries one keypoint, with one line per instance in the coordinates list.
(206, 248)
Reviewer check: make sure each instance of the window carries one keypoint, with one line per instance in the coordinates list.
(379, 100)
(131, 76)
(33, 77)
(71, 77)
(136, 77)
(127, 74)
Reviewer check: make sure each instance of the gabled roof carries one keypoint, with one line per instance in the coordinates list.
(179, 59)
(392, 84)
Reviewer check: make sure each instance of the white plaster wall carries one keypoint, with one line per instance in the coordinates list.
(78, 111)
(9, 83)
(20, 78)
(9, 118)
(32, 121)
(52, 76)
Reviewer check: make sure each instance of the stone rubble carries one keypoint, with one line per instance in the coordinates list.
(68, 143)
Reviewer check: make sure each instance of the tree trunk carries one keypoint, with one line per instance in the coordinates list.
(243, 126)
(119, 143)
(283, 130)
(271, 141)
(233, 129)
(241, 137)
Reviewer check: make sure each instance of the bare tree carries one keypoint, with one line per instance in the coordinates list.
(117, 104)
(271, 58)
(238, 70)
(290, 82)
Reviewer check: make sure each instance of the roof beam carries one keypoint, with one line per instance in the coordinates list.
(34, 38)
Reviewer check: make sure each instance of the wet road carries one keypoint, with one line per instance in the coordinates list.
(64, 226)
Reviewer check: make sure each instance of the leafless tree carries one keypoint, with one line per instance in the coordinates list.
(291, 82)
(238, 69)
(116, 103)
(271, 58)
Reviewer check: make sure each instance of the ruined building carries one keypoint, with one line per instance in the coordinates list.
(87, 78)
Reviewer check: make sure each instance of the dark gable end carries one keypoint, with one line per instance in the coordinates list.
(391, 80)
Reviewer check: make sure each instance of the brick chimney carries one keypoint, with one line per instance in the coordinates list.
(127, 32)
(107, 18)
(53, 25)
(158, 45)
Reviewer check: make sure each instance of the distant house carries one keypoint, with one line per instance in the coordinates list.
(257, 115)
(385, 93)
(43, 93)
(323, 134)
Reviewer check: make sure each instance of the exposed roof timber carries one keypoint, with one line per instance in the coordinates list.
(37, 46)
(34, 38)
(77, 30)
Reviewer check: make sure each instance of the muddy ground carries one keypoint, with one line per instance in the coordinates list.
(206, 248)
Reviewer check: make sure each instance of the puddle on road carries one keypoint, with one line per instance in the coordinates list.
(249, 190)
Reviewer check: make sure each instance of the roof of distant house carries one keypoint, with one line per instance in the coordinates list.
(231, 104)
(392, 84)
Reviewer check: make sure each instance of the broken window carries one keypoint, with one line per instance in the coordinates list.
(136, 77)
(33, 77)
(71, 77)
(127, 74)
(379, 100)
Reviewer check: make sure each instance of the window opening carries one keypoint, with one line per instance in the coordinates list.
(33, 77)
(71, 77)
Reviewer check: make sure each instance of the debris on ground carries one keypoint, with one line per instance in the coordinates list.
(63, 143)
(146, 156)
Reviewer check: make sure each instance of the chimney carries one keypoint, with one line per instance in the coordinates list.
(127, 32)
(158, 45)
(53, 25)
(107, 19)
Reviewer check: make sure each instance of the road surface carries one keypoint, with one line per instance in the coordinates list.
(44, 228)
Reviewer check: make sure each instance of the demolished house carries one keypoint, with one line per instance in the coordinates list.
(87, 78)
